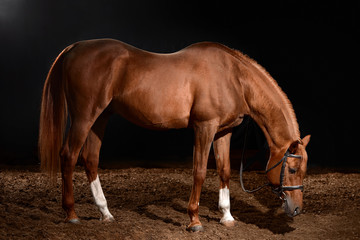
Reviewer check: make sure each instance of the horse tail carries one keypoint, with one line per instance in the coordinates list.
(53, 118)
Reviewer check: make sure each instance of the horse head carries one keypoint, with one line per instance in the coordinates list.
(287, 175)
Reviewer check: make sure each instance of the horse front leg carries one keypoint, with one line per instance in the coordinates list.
(204, 135)
(222, 156)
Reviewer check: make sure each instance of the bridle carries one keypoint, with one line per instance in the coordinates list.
(278, 190)
(281, 188)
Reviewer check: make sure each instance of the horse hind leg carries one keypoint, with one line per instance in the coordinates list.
(222, 156)
(69, 155)
(90, 158)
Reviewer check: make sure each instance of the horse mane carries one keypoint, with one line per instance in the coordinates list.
(245, 58)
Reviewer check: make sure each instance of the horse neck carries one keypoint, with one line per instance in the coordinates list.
(270, 108)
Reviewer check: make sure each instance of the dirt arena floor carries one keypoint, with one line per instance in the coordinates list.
(151, 203)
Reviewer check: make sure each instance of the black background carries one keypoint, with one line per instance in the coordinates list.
(308, 48)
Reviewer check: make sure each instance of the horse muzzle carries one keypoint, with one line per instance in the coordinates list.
(291, 209)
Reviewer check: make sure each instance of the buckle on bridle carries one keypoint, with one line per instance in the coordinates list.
(283, 196)
(278, 191)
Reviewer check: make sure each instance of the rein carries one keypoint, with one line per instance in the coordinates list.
(278, 190)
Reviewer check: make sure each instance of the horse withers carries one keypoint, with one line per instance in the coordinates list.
(206, 86)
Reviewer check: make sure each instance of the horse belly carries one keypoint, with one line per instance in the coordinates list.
(154, 110)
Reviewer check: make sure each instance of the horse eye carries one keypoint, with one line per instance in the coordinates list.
(292, 170)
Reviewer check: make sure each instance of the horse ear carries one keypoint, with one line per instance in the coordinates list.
(294, 146)
(306, 140)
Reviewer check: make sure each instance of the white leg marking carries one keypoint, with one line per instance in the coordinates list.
(100, 200)
(224, 205)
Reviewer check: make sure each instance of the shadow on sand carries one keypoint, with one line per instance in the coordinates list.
(277, 223)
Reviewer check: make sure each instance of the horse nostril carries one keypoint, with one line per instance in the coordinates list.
(296, 211)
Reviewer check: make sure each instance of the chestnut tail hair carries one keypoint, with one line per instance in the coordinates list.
(53, 118)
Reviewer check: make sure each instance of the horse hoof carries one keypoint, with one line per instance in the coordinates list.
(196, 228)
(74, 221)
(108, 219)
(229, 223)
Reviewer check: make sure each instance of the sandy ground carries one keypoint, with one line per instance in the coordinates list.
(151, 204)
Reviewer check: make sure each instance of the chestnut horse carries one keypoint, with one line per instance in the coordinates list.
(206, 86)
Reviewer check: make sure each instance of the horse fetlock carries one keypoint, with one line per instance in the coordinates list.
(193, 210)
(227, 217)
(68, 206)
(106, 216)
(71, 216)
